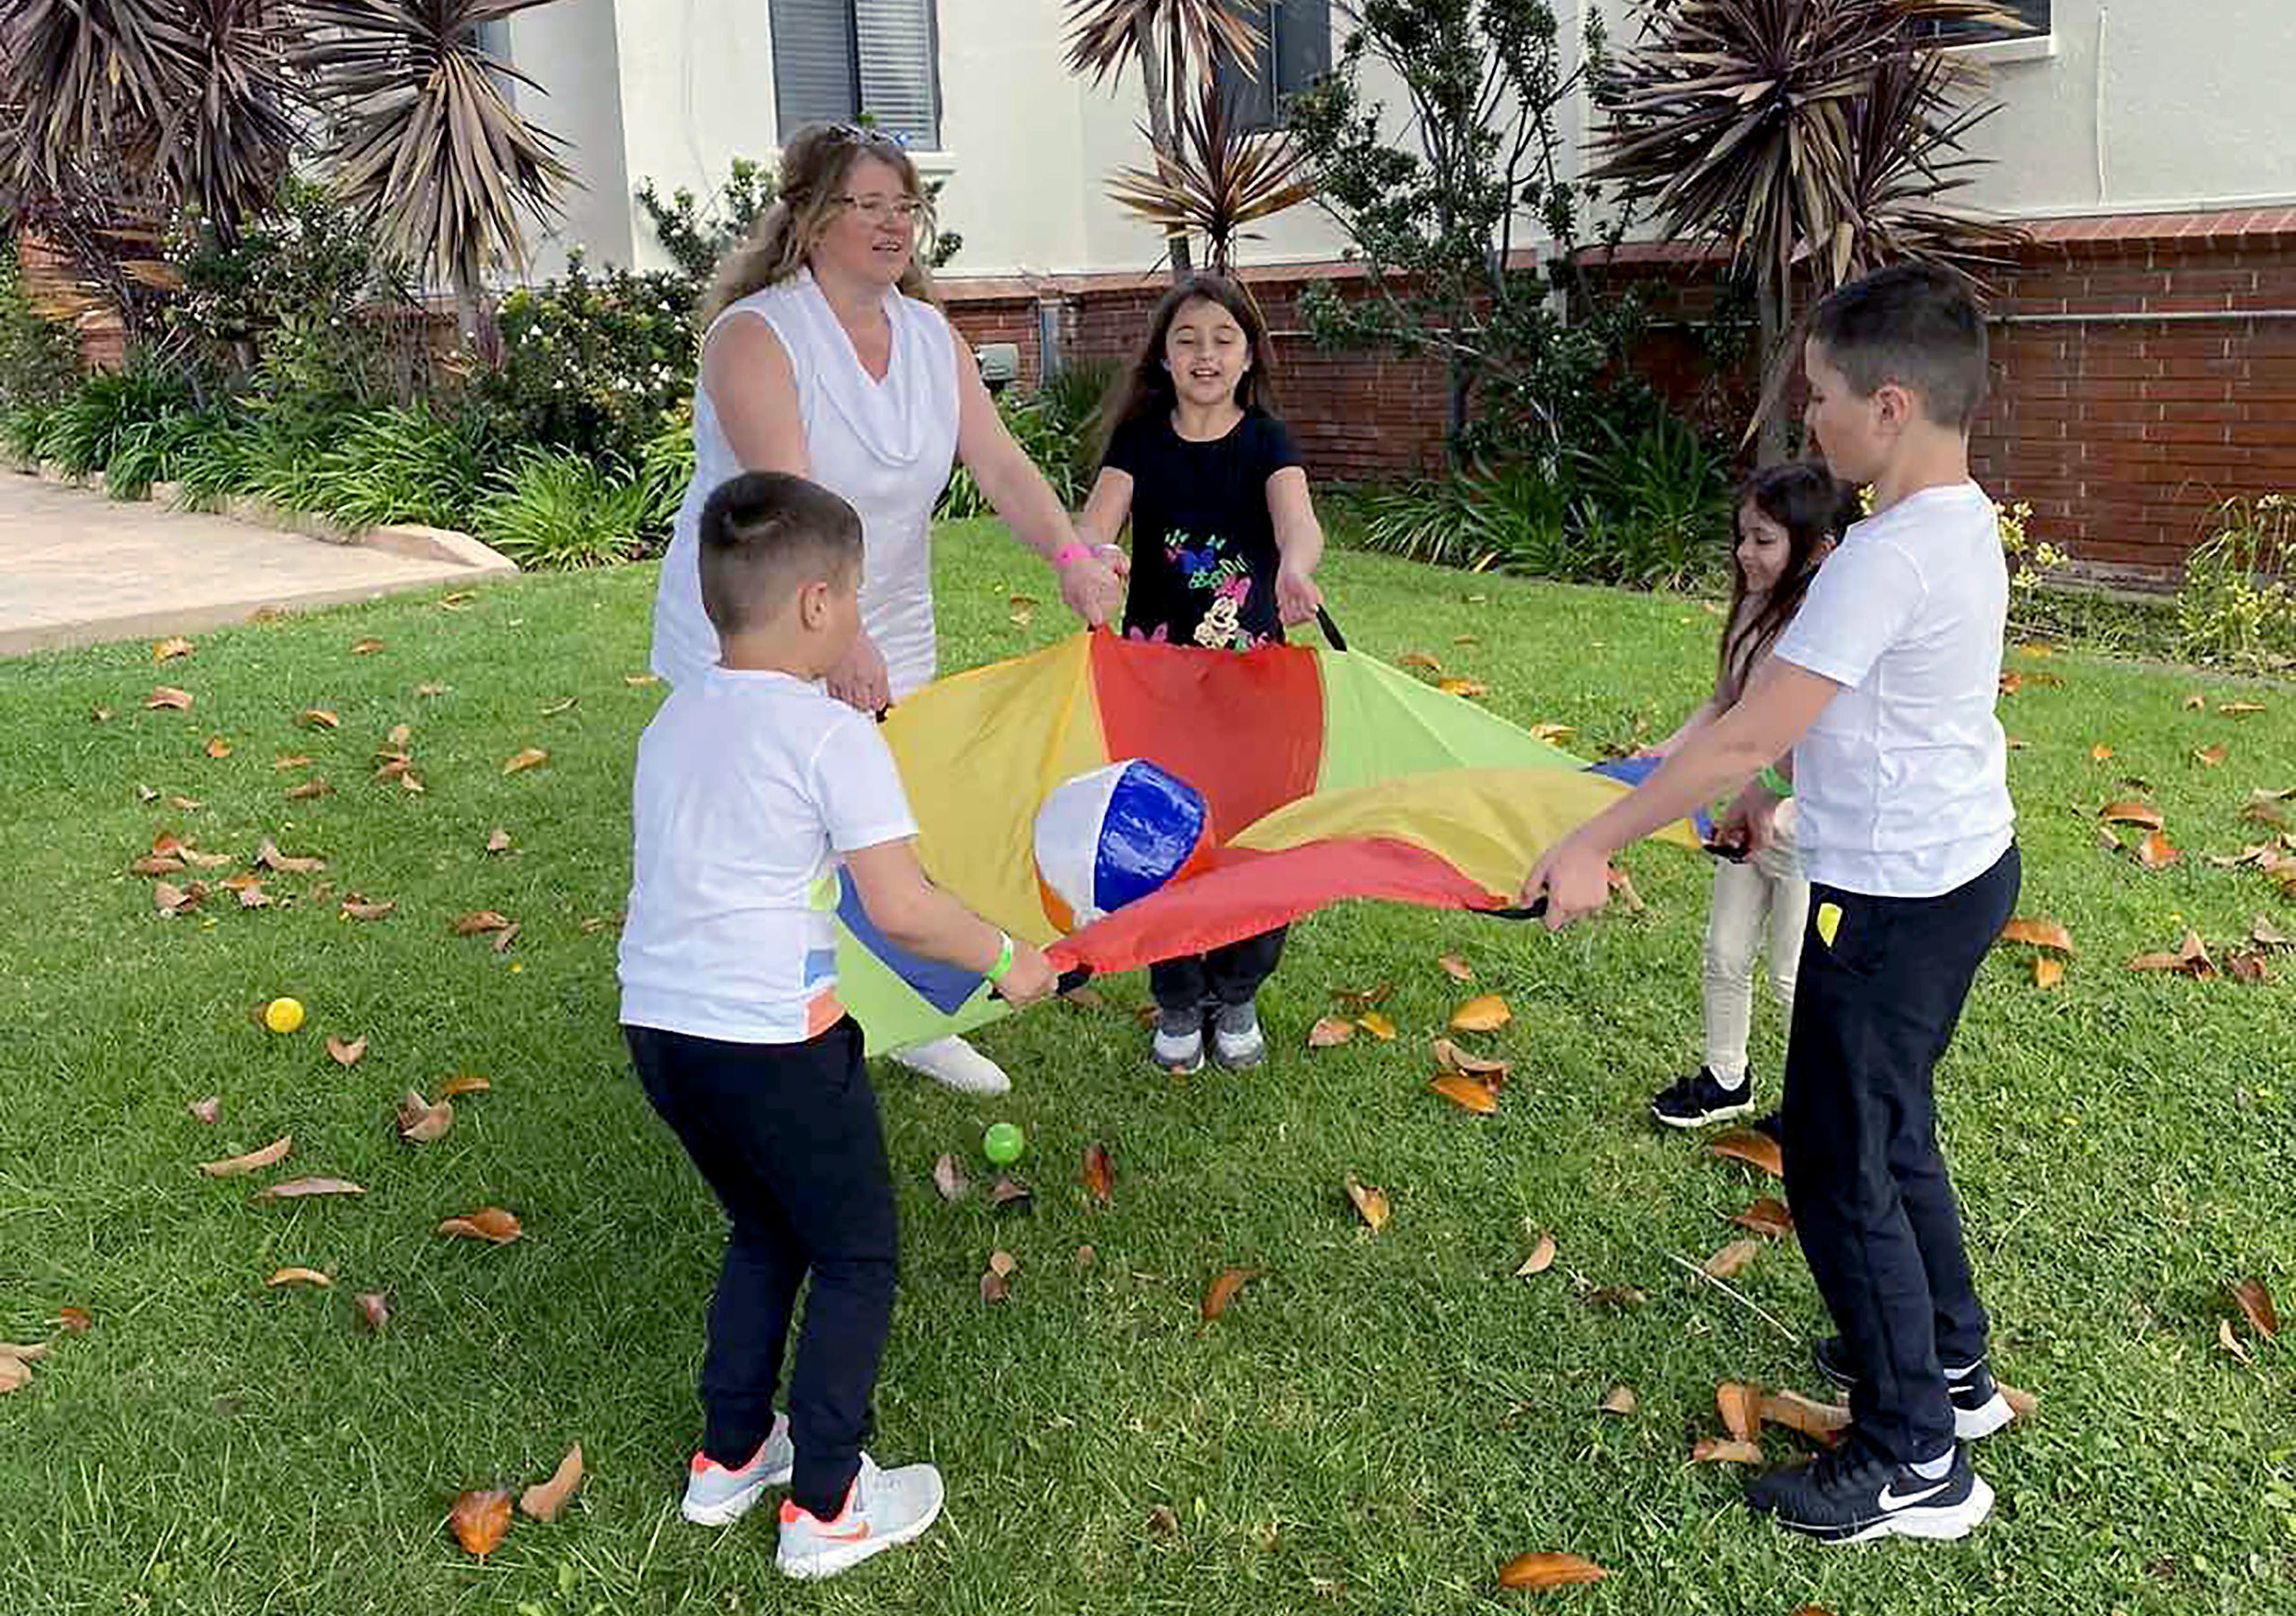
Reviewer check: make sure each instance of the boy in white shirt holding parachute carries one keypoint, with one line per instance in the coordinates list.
(1884, 689)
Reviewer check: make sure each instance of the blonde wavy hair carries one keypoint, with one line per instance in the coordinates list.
(817, 163)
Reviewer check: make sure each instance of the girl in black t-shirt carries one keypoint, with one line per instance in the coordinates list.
(1224, 550)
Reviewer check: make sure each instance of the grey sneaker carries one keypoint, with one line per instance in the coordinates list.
(1178, 1044)
(1236, 1042)
(716, 1495)
(883, 1509)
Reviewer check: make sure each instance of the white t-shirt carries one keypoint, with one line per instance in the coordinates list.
(1902, 783)
(749, 786)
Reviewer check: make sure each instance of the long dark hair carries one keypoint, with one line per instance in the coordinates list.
(1144, 391)
(1814, 508)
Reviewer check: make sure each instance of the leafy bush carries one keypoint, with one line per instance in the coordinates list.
(2237, 603)
(1057, 426)
(39, 359)
(154, 451)
(551, 509)
(594, 363)
(402, 465)
(219, 463)
(86, 430)
(666, 470)
(1653, 508)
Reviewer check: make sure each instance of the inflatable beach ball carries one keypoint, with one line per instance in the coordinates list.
(1118, 833)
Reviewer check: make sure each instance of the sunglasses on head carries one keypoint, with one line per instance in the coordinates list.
(858, 134)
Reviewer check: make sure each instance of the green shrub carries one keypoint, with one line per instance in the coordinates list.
(219, 463)
(2237, 604)
(551, 509)
(1650, 509)
(20, 427)
(1057, 426)
(155, 451)
(594, 363)
(402, 465)
(666, 470)
(82, 433)
(39, 359)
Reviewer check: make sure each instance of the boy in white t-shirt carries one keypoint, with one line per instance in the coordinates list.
(1885, 688)
(753, 788)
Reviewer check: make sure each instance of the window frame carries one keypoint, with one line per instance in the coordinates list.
(1234, 87)
(935, 140)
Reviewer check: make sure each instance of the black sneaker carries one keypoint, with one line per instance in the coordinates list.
(1698, 1099)
(1980, 1409)
(1854, 1495)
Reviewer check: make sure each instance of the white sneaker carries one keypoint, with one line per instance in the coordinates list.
(882, 1507)
(954, 1064)
(716, 1495)
(1237, 1041)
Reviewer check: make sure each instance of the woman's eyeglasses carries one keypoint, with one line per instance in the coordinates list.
(885, 209)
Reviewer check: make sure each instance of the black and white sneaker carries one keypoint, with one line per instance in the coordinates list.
(1854, 1495)
(1980, 1409)
(1699, 1100)
(1236, 1042)
(1177, 1045)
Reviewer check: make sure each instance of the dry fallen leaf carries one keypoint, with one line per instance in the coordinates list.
(1755, 1150)
(75, 1320)
(166, 696)
(1548, 1570)
(254, 1161)
(355, 907)
(299, 1276)
(1725, 1450)
(1554, 735)
(2231, 1343)
(1822, 1423)
(1419, 659)
(1767, 1216)
(171, 899)
(480, 1519)
(299, 1189)
(487, 1223)
(1540, 1259)
(1377, 1026)
(1456, 967)
(346, 1054)
(207, 1110)
(314, 788)
(1731, 1260)
(1487, 1013)
(421, 1123)
(365, 647)
(1450, 1057)
(158, 864)
(2155, 853)
(1222, 1291)
(2129, 811)
(544, 1499)
(2047, 970)
(2255, 1303)
(1369, 1201)
(565, 704)
(1469, 688)
(269, 857)
(1739, 1406)
(482, 920)
(374, 1310)
(504, 938)
(640, 681)
(15, 1374)
(172, 647)
(1356, 1001)
(950, 1178)
(2210, 757)
(1465, 1092)
(100, 715)
(2011, 683)
(1085, 1257)
(531, 757)
(1009, 1190)
(1619, 1400)
(498, 840)
(23, 1351)
(2247, 965)
(2241, 710)
(287, 761)
(2268, 935)
(431, 688)
(464, 1084)
(217, 747)
(1098, 1173)
(2195, 703)
(2039, 931)
(318, 717)
(1330, 1031)
(2099, 752)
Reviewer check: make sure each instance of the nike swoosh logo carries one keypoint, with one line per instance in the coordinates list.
(1892, 1499)
(851, 1535)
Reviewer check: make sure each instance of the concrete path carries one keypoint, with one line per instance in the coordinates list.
(78, 569)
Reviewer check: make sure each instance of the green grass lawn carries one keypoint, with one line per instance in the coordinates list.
(1376, 1424)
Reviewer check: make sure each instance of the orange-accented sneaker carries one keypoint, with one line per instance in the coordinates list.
(716, 1495)
(882, 1507)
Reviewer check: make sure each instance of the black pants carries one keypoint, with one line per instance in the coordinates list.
(1226, 976)
(1872, 1013)
(787, 1136)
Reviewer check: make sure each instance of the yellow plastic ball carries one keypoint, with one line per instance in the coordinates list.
(284, 1015)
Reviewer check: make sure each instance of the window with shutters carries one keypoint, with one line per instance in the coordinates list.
(2033, 23)
(840, 60)
(1294, 52)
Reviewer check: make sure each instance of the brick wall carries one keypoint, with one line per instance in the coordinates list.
(2145, 370)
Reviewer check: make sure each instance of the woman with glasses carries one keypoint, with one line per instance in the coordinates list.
(827, 357)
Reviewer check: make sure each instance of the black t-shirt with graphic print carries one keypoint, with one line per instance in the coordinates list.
(1203, 555)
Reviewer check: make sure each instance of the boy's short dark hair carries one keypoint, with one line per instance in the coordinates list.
(1914, 325)
(765, 535)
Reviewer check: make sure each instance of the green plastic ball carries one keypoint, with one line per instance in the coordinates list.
(1003, 1143)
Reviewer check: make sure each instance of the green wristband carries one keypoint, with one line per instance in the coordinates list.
(1775, 783)
(998, 972)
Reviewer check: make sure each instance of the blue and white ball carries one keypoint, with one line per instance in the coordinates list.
(1117, 834)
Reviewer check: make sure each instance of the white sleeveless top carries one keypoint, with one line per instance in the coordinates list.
(886, 447)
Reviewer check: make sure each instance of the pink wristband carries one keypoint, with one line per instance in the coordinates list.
(1069, 555)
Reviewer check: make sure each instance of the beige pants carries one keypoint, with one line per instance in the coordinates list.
(1764, 898)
